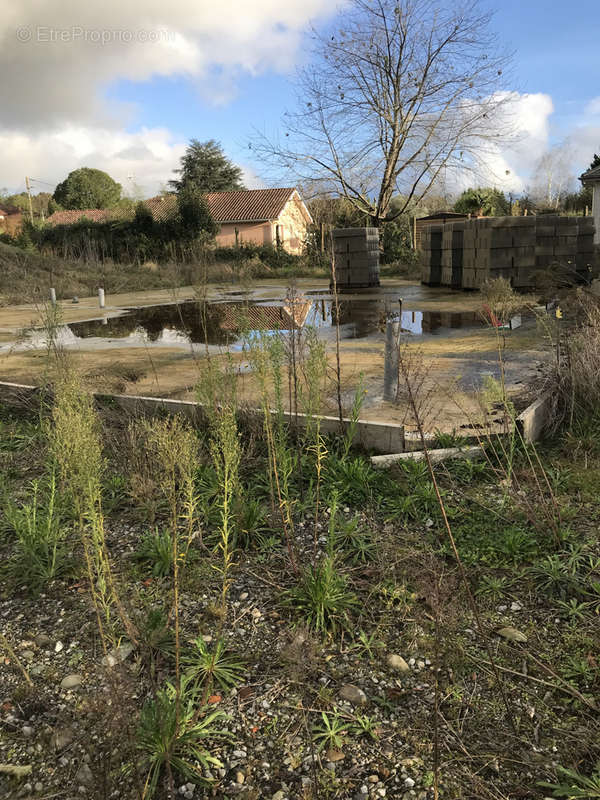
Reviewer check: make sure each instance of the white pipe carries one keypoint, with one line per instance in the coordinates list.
(53, 296)
(101, 297)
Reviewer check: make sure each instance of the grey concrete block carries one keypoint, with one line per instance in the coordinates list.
(534, 420)
(435, 456)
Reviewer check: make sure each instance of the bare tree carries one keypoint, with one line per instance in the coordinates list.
(553, 176)
(398, 91)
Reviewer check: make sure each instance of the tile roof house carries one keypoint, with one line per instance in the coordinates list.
(592, 178)
(10, 219)
(91, 214)
(258, 216)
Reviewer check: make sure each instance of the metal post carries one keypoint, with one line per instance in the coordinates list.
(390, 368)
(53, 296)
(101, 297)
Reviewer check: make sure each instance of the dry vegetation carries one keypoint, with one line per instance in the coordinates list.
(235, 608)
(28, 275)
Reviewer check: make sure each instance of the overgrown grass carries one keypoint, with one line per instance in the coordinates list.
(256, 528)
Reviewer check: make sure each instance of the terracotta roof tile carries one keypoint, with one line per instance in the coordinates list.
(162, 207)
(253, 205)
(93, 214)
(8, 211)
(258, 317)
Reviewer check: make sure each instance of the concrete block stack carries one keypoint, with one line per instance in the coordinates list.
(586, 265)
(431, 255)
(504, 248)
(514, 248)
(556, 241)
(356, 253)
(469, 255)
(452, 254)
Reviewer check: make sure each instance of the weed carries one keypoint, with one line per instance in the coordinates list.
(322, 597)
(155, 634)
(175, 448)
(40, 553)
(208, 666)
(250, 521)
(265, 354)
(448, 439)
(466, 472)
(225, 451)
(156, 549)
(357, 403)
(331, 732)
(172, 735)
(352, 478)
(18, 436)
(365, 726)
(562, 574)
(493, 586)
(76, 446)
(483, 537)
(574, 785)
(580, 670)
(572, 609)
(357, 545)
(367, 644)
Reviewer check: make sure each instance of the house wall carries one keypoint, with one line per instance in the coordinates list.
(250, 232)
(293, 227)
(10, 223)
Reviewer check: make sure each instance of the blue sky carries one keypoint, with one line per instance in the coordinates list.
(556, 52)
(222, 70)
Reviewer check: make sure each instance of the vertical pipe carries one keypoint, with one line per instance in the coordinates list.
(390, 367)
(53, 296)
(101, 297)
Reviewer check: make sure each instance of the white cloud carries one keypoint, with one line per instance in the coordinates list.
(593, 107)
(508, 167)
(56, 56)
(513, 168)
(142, 161)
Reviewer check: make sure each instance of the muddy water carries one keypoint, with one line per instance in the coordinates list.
(458, 348)
(224, 323)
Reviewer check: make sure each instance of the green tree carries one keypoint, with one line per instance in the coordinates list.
(579, 201)
(194, 213)
(39, 202)
(87, 188)
(595, 161)
(205, 168)
(486, 201)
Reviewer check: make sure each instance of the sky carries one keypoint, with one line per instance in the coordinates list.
(123, 86)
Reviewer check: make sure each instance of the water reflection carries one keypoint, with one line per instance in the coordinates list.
(223, 323)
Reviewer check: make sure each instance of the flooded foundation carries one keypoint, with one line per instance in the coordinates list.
(158, 349)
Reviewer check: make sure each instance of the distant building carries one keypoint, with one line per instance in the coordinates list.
(591, 178)
(257, 216)
(91, 214)
(10, 219)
